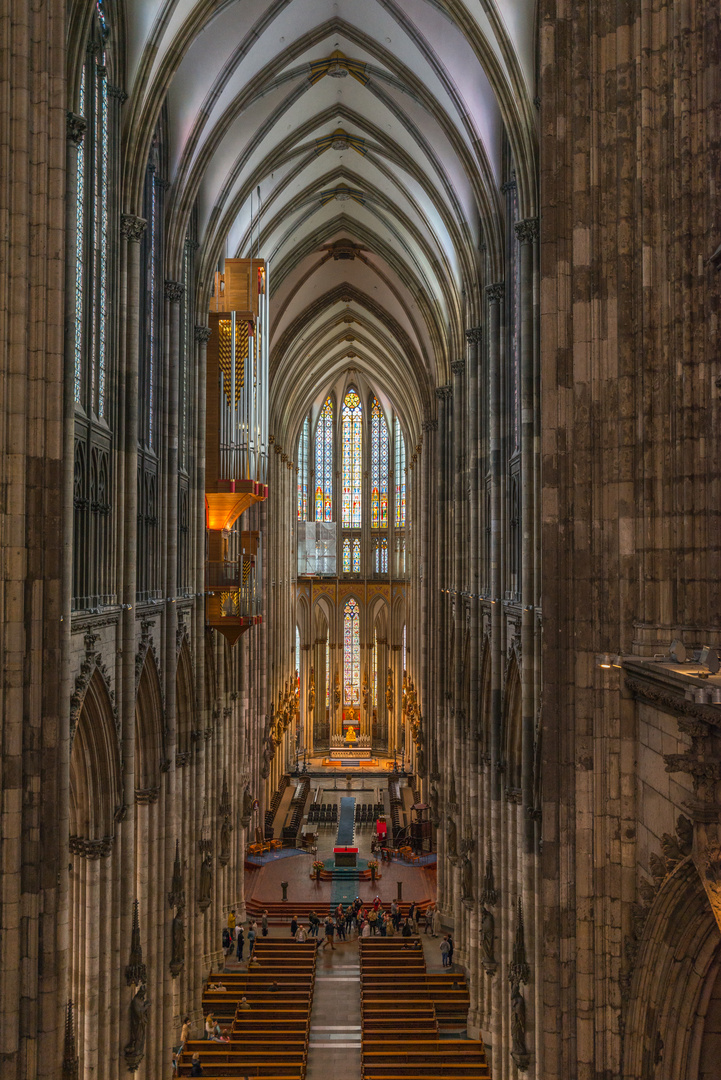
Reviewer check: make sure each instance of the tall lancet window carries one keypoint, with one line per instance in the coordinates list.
(351, 653)
(91, 222)
(303, 448)
(400, 474)
(379, 467)
(324, 464)
(352, 460)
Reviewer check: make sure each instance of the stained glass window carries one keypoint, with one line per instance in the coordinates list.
(327, 673)
(324, 464)
(346, 554)
(356, 555)
(379, 467)
(352, 435)
(91, 224)
(400, 474)
(297, 650)
(351, 653)
(405, 663)
(303, 445)
(380, 554)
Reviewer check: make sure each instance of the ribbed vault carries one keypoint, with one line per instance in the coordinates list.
(360, 149)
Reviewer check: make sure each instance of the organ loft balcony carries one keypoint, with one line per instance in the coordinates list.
(236, 461)
(233, 579)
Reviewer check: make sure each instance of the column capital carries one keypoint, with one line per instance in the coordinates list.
(174, 291)
(495, 292)
(132, 228)
(76, 128)
(443, 393)
(527, 230)
(202, 334)
(458, 367)
(430, 425)
(474, 335)
(118, 93)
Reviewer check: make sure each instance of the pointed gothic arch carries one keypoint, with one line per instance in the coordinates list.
(512, 724)
(95, 767)
(185, 698)
(675, 977)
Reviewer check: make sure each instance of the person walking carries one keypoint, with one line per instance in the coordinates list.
(264, 923)
(450, 954)
(294, 926)
(436, 921)
(314, 924)
(407, 930)
(445, 951)
(412, 916)
(340, 925)
(429, 920)
(239, 941)
(394, 913)
(231, 922)
(301, 935)
(329, 933)
(251, 939)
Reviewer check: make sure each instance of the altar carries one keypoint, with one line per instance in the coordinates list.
(353, 752)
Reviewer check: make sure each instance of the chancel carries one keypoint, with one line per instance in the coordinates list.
(360, 414)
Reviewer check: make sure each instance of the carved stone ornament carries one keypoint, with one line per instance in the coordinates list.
(444, 393)
(490, 893)
(474, 335)
(496, 292)
(247, 808)
(225, 830)
(174, 291)
(430, 425)
(132, 228)
(202, 334)
(76, 127)
(467, 880)
(135, 1047)
(176, 896)
(70, 1054)
(458, 367)
(135, 971)
(527, 231)
(118, 93)
(519, 1053)
(91, 849)
(519, 970)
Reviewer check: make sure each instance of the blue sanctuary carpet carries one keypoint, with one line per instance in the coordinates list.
(346, 822)
(271, 856)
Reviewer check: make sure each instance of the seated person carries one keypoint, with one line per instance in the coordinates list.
(196, 1068)
(244, 1003)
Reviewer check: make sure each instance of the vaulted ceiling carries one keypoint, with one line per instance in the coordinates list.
(357, 145)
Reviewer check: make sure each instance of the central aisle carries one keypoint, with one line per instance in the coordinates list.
(335, 1021)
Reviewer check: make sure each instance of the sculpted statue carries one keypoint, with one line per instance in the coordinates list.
(433, 799)
(225, 830)
(206, 882)
(177, 959)
(365, 690)
(467, 878)
(389, 691)
(518, 1020)
(135, 1048)
(336, 692)
(488, 933)
(452, 839)
(247, 807)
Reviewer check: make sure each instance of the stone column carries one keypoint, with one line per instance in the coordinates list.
(494, 294)
(131, 229)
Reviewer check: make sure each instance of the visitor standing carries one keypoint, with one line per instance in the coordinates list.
(450, 954)
(436, 921)
(239, 941)
(329, 932)
(445, 951)
(294, 926)
(251, 938)
(264, 923)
